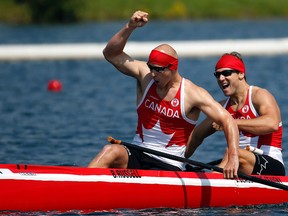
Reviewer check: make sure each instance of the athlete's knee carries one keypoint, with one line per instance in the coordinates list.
(116, 154)
(107, 148)
(246, 161)
(246, 157)
(113, 149)
(107, 156)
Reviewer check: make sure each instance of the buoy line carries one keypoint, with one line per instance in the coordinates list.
(200, 48)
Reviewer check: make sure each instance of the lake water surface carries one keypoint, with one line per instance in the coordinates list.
(70, 127)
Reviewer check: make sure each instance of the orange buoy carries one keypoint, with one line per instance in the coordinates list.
(54, 85)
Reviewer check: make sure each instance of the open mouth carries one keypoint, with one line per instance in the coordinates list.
(226, 85)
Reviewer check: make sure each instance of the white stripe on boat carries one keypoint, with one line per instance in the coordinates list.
(8, 175)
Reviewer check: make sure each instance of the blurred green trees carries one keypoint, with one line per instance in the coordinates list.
(51, 11)
(68, 11)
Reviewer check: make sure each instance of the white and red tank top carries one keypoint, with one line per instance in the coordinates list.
(271, 143)
(163, 125)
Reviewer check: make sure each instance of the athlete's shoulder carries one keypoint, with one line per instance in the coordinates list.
(259, 93)
(259, 90)
(190, 86)
(197, 94)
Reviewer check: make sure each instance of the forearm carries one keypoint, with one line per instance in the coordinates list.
(232, 136)
(191, 147)
(258, 126)
(202, 131)
(117, 43)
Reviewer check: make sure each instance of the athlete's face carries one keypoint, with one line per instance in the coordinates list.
(227, 80)
(161, 75)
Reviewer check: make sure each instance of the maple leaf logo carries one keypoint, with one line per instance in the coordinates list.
(156, 136)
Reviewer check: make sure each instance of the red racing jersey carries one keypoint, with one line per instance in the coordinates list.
(270, 143)
(163, 125)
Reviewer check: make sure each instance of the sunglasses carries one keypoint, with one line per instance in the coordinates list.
(157, 69)
(225, 73)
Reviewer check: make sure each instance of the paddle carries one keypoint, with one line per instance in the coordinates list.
(198, 169)
(199, 164)
(215, 162)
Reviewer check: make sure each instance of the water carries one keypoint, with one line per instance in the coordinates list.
(70, 127)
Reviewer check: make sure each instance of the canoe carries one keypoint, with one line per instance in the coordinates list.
(64, 188)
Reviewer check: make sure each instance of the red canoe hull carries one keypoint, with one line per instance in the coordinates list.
(61, 188)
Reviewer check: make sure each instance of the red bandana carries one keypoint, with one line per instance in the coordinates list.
(159, 58)
(230, 61)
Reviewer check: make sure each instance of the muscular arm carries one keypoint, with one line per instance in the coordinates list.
(269, 114)
(114, 53)
(200, 132)
(218, 114)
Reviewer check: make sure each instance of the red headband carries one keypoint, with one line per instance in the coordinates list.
(230, 61)
(159, 58)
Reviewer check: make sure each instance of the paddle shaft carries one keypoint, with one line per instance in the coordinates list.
(206, 166)
(197, 168)
(215, 162)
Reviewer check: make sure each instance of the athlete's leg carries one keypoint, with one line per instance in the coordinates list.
(266, 165)
(112, 155)
(246, 161)
(224, 160)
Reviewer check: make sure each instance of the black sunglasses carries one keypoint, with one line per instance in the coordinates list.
(225, 73)
(157, 69)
